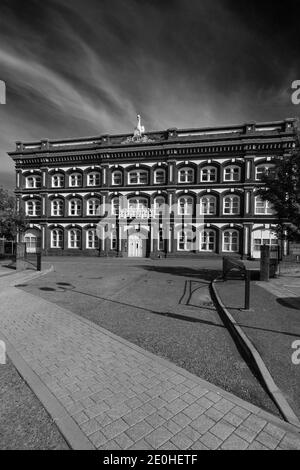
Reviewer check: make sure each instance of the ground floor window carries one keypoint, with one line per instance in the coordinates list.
(185, 240)
(74, 238)
(231, 241)
(91, 239)
(208, 240)
(57, 239)
(113, 240)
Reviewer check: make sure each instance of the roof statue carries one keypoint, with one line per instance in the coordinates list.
(138, 136)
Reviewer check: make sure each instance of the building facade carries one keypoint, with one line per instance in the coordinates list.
(168, 193)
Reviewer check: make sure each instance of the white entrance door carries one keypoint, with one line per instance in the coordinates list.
(135, 246)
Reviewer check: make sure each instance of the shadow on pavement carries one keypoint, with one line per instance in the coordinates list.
(289, 302)
(205, 274)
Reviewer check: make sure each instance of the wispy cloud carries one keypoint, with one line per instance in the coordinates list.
(88, 67)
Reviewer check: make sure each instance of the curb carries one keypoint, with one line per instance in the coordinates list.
(255, 358)
(69, 429)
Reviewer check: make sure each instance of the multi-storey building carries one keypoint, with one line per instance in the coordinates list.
(206, 180)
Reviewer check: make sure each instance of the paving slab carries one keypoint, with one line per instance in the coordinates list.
(66, 353)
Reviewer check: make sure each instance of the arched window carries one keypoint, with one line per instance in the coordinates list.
(92, 241)
(186, 240)
(93, 179)
(115, 206)
(263, 207)
(74, 238)
(57, 208)
(117, 178)
(159, 176)
(75, 207)
(33, 182)
(92, 206)
(138, 203)
(185, 205)
(57, 181)
(209, 174)
(186, 175)
(57, 238)
(232, 173)
(138, 177)
(75, 180)
(159, 205)
(231, 241)
(113, 240)
(231, 205)
(33, 208)
(262, 170)
(208, 205)
(208, 240)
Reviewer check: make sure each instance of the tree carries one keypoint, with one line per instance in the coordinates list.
(11, 220)
(282, 189)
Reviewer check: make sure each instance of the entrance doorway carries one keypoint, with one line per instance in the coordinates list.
(135, 246)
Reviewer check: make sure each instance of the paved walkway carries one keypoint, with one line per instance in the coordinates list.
(119, 396)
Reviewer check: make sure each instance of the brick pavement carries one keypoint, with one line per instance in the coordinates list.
(123, 397)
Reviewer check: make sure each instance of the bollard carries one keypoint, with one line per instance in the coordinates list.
(39, 261)
(247, 290)
(264, 263)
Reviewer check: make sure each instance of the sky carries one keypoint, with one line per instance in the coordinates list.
(76, 68)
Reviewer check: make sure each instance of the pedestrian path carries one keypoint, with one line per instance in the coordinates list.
(118, 396)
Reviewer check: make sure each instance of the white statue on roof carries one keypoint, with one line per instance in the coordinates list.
(139, 130)
(138, 137)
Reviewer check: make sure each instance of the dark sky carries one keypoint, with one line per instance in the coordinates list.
(85, 67)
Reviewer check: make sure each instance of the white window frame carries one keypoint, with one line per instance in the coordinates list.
(77, 238)
(184, 175)
(206, 240)
(75, 180)
(264, 166)
(60, 180)
(92, 206)
(91, 242)
(138, 204)
(113, 240)
(265, 207)
(211, 170)
(36, 182)
(115, 206)
(212, 203)
(160, 170)
(93, 178)
(139, 179)
(230, 175)
(187, 243)
(186, 205)
(120, 174)
(59, 204)
(232, 198)
(77, 207)
(159, 208)
(57, 238)
(36, 208)
(231, 233)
